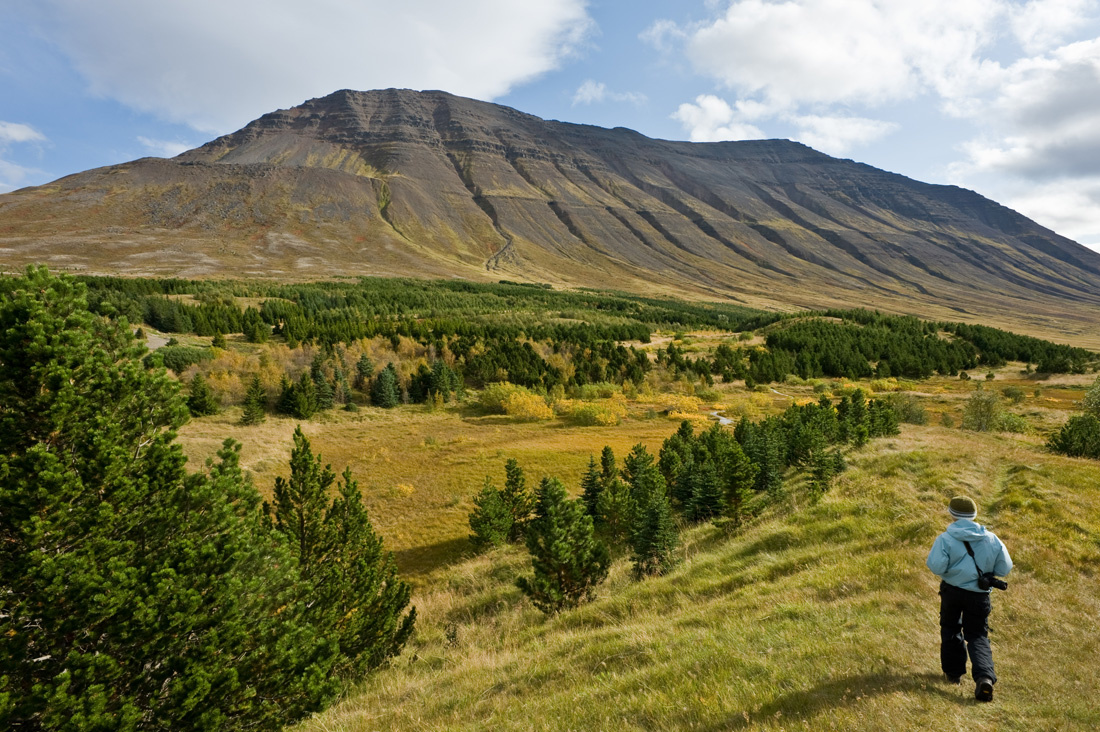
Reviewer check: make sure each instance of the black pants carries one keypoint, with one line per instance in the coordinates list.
(964, 627)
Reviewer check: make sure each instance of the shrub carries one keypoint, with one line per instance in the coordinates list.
(1009, 422)
(1079, 437)
(1014, 394)
(604, 414)
(527, 406)
(982, 411)
(178, 358)
(908, 408)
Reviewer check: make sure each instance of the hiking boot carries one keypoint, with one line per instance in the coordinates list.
(956, 680)
(983, 692)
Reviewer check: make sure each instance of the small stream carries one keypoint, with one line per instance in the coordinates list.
(721, 419)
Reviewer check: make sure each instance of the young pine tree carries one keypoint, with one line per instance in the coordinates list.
(707, 500)
(386, 389)
(491, 520)
(202, 400)
(567, 559)
(358, 599)
(654, 537)
(517, 498)
(255, 402)
(591, 488)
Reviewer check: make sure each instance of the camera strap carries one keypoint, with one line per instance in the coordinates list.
(971, 553)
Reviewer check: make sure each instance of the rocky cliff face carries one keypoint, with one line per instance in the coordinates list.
(398, 182)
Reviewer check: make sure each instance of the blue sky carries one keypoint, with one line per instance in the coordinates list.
(1001, 96)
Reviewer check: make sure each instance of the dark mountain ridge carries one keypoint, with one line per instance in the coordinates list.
(397, 182)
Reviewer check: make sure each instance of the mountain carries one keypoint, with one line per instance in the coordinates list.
(398, 182)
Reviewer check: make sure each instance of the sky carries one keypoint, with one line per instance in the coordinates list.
(998, 96)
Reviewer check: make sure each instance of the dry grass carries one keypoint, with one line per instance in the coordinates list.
(818, 616)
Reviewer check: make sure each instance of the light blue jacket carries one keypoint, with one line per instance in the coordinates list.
(950, 561)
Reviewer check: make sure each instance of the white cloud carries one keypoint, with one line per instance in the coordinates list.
(842, 51)
(838, 135)
(711, 119)
(216, 65)
(16, 132)
(1043, 24)
(12, 175)
(596, 91)
(1070, 207)
(164, 148)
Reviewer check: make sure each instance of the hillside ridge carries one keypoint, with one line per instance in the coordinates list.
(397, 182)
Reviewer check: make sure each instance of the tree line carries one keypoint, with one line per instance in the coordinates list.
(714, 475)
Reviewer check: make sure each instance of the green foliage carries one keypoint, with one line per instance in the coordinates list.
(491, 520)
(517, 498)
(178, 358)
(591, 487)
(653, 536)
(567, 559)
(218, 341)
(202, 401)
(131, 593)
(255, 402)
(982, 411)
(358, 599)
(1079, 437)
(1091, 401)
(298, 399)
(386, 390)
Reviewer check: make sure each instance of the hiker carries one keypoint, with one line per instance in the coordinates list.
(956, 557)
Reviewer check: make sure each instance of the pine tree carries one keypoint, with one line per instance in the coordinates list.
(591, 487)
(359, 594)
(364, 370)
(608, 471)
(385, 392)
(567, 559)
(131, 590)
(202, 401)
(654, 537)
(299, 503)
(740, 481)
(707, 499)
(615, 512)
(255, 402)
(491, 520)
(517, 498)
(218, 341)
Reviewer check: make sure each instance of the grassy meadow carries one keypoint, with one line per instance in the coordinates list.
(816, 615)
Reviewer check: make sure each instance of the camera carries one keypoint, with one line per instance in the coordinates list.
(988, 579)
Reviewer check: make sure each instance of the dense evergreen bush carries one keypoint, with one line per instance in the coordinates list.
(132, 594)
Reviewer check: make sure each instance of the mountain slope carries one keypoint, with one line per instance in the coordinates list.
(426, 183)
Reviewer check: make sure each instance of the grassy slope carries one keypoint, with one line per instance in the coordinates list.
(820, 617)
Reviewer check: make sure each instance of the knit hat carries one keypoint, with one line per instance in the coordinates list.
(962, 507)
